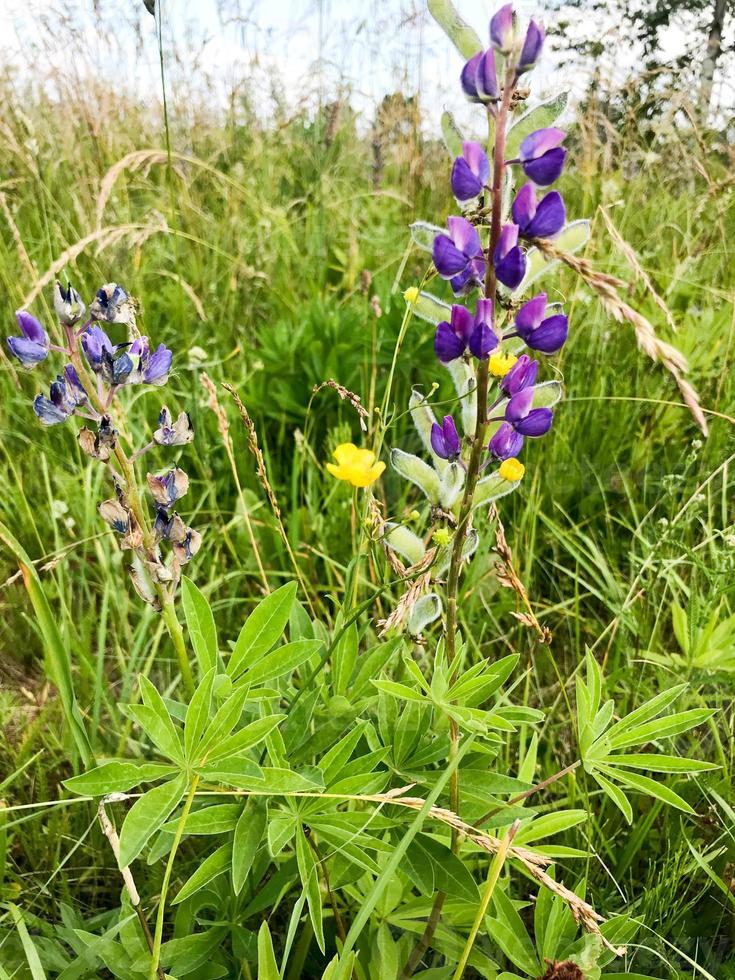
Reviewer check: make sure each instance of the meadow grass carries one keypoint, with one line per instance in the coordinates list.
(269, 257)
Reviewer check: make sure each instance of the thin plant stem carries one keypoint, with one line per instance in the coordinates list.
(158, 936)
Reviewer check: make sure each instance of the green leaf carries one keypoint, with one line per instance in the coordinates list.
(450, 874)
(57, 654)
(263, 628)
(648, 709)
(511, 935)
(418, 472)
(550, 823)
(212, 866)
(248, 835)
(652, 762)
(649, 787)
(117, 777)
(158, 725)
(197, 714)
(428, 307)
(200, 624)
(282, 661)
(616, 794)
(537, 117)
(462, 36)
(267, 966)
(217, 819)
(245, 739)
(310, 880)
(344, 657)
(661, 728)
(453, 138)
(146, 816)
(397, 690)
(225, 719)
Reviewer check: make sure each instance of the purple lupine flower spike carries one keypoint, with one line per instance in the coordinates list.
(458, 256)
(541, 155)
(445, 440)
(532, 46)
(505, 442)
(468, 78)
(501, 28)
(508, 259)
(451, 339)
(521, 375)
(33, 346)
(525, 419)
(470, 172)
(544, 334)
(483, 339)
(538, 219)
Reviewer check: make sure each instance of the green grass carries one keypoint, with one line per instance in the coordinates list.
(260, 278)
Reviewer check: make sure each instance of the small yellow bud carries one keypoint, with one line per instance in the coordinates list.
(512, 470)
(411, 295)
(501, 363)
(441, 537)
(414, 515)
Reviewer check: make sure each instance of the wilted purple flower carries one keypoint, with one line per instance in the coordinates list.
(170, 433)
(541, 155)
(101, 444)
(458, 256)
(68, 304)
(185, 549)
(112, 304)
(508, 259)
(169, 526)
(65, 395)
(538, 219)
(168, 487)
(445, 439)
(532, 47)
(501, 28)
(33, 346)
(505, 442)
(521, 375)
(470, 172)
(545, 334)
(113, 513)
(525, 419)
(465, 331)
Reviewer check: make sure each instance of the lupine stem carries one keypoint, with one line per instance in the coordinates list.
(465, 511)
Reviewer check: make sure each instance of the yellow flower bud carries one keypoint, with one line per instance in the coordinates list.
(411, 295)
(512, 470)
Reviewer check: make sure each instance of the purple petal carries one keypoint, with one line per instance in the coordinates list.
(28, 352)
(486, 77)
(463, 322)
(158, 366)
(95, 343)
(532, 46)
(539, 142)
(508, 240)
(31, 328)
(482, 341)
(550, 217)
(447, 345)
(467, 78)
(452, 442)
(520, 405)
(550, 336)
(74, 385)
(536, 423)
(530, 315)
(47, 412)
(524, 206)
(511, 269)
(521, 375)
(501, 27)
(464, 235)
(465, 185)
(506, 442)
(471, 276)
(447, 257)
(547, 168)
(484, 311)
(437, 441)
(477, 160)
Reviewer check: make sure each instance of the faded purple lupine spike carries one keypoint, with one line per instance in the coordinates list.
(501, 28)
(521, 375)
(536, 219)
(508, 259)
(470, 172)
(185, 549)
(483, 338)
(468, 77)
(113, 513)
(542, 156)
(112, 304)
(445, 440)
(68, 304)
(532, 47)
(505, 442)
(486, 78)
(158, 366)
(33, 346)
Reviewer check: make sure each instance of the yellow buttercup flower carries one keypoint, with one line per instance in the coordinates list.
(501, 363)
(355, 466)
(512, 470)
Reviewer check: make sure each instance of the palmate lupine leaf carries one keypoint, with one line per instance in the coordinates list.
(117, 777)
(263, 628)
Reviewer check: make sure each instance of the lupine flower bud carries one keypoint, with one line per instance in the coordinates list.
(483, 339)
(168, 487)
(508, 259)
(502, 29)
(546, 335)
(68, 304)
(170, 433)
(525, 419)
(521, 375)
(538, 219)
(33, 346)
(541, 155)
(505, 442)
(486, 78)
(532, 47)
(458, 256)
(470, 172)
(445, 439)
(468, 78)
